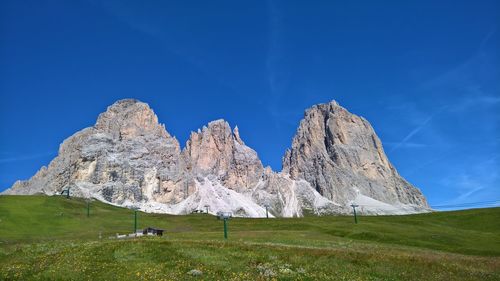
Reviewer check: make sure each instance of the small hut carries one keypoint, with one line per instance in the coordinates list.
(153, 231)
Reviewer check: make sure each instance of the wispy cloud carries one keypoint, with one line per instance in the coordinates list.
(440, 157)
(467, 76)
(406, 144)
(25, 157)
(167, 34)
(469, 184)
(479, 99)
(468, 102)
(460, 124)
(478, 183)
(487, 38)
(413, 132)
(278, 74)
(468, 188)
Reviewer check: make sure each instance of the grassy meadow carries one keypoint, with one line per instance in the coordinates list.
(51, 238)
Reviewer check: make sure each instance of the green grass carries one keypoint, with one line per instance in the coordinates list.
(51, 238)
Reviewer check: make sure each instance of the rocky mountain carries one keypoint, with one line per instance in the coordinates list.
(340, 155)
(128, 159)
(220, 152)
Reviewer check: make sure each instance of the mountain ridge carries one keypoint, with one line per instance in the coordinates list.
(129, 159)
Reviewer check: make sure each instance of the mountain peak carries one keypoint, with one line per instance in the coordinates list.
(125, 102)
(129, 118)
(236, 133)
(218, 122)
(127, 158)
(334, 103)
(218, 150)
(332, 141)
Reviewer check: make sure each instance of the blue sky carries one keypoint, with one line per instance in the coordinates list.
(424, 73)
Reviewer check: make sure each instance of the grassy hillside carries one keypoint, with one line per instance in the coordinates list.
(44, 236)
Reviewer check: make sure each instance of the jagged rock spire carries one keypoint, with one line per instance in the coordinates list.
(219, 152)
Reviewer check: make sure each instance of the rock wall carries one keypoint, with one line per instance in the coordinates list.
(128, 159)
(340, 155)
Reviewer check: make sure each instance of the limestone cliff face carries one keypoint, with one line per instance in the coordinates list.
(127, 158)
(217, 151)
(340, 155)
(218, 154)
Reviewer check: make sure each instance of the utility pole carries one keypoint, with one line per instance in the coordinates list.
(225, 228)
(354, 209)
(225, 217)
(88, 208)
(135, 221)
(267, 211)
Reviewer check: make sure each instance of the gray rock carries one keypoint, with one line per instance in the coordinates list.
(127, 158)
(340, 155)
(195, 272)
(218, 151)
